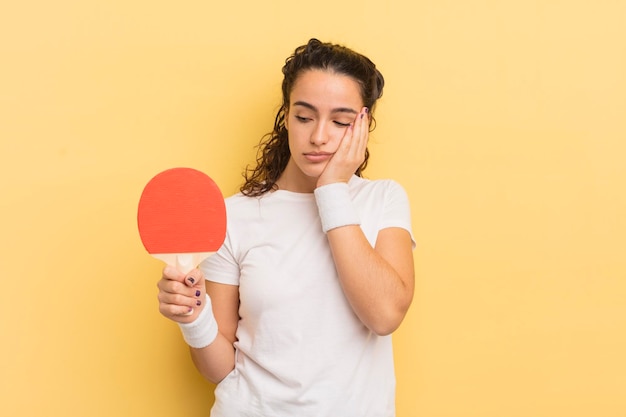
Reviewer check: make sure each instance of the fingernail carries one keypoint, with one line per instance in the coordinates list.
(189, 310)
(198, 302)
(190, 279)
(367, 110)
(362, 114)
(197, 293)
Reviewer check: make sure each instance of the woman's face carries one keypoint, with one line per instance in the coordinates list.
(322, 106)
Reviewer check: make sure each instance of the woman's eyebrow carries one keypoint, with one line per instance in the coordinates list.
(337, 110)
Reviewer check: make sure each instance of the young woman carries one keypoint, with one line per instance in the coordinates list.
(293, 315)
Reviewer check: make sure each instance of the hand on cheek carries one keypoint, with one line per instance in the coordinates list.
(351, 152)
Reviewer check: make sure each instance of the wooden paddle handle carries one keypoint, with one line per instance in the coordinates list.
(184, 262)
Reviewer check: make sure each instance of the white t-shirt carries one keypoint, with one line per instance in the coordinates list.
(300, 350)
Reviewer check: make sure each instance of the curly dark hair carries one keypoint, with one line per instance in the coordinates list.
(273, 150)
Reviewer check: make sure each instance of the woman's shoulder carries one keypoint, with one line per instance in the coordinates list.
(238, 201)
(243, 205)
(359, 184)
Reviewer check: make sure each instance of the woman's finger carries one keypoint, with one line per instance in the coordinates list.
(360, 136)
(174, 310)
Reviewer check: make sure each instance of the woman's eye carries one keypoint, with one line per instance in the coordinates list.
(302, 119)
(342, 124)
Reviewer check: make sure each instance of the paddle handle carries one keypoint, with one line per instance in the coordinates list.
(184, 262)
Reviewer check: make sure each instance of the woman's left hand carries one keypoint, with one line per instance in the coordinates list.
(351, 152)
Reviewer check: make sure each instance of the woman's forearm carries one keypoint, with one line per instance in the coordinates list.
(215, 361)
(377, 281)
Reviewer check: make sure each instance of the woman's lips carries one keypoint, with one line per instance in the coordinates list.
(318, 156)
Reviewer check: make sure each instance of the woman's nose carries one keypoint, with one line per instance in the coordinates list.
(319, 135)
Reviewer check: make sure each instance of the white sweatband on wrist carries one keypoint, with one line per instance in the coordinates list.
(203, 330)
(335, 206)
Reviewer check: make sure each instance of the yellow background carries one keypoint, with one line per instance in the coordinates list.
(504, 120)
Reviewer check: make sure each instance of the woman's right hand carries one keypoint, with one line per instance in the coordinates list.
(181, 296)
(351, 152)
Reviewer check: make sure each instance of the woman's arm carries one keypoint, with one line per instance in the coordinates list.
(182, 298)
(377, 281)
(217, 360)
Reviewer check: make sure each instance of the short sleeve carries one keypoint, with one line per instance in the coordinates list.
(397, 210)
(222, 267)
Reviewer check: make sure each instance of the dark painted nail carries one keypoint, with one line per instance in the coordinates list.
(367, 110)
(198, 302)
(197, 293)
(190, 279)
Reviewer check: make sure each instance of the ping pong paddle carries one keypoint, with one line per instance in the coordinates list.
(181, 217)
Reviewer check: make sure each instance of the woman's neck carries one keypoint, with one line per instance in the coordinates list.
(292, 179)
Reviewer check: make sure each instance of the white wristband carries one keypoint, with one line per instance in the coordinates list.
(335, 206)
(203, 330)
